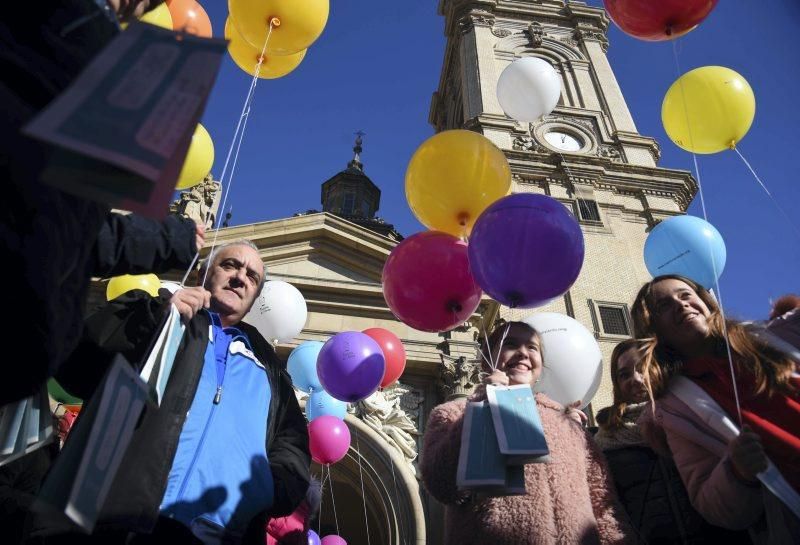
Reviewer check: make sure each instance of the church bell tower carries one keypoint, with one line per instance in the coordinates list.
(587, 153)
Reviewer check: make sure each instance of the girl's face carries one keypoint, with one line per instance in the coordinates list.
(679, 316)
(629, 379)
(520, 356)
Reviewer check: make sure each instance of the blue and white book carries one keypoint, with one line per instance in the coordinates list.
(158, 365)
(81, 477)
(480, 462)
(517, 423)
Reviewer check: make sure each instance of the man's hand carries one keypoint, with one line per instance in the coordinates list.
(189, 301)
(747, 455)
(199, 235)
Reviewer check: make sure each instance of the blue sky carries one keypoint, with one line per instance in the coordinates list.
(377, 63)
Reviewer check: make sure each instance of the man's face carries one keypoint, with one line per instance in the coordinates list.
(234, 281)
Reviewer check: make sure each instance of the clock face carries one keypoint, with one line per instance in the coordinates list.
(563, 141)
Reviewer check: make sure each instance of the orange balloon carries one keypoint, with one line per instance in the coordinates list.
(190, 17)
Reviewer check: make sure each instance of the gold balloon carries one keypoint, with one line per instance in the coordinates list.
(296, 24)
(127, 282)
(159, 17)
(452, 178)
(246, 56)
(199, 159)
(708, 110)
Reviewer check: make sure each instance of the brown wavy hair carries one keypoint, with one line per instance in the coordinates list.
(769, 368)
(617, 409)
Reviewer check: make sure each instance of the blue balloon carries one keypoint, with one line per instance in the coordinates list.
(302, 366)
(321, 403)
(313, 538)
(687, 246)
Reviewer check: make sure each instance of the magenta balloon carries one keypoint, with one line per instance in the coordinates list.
(333, 540)
(328, 439)
(525, 250)
(350, 366)
(427, 283)
(313, 538)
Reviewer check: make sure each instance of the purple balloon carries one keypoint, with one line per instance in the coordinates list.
(525, 250)
(333, 540)
(350, 366)
(313, 538)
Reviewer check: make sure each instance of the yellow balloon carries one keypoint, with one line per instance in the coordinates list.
(708, 110)
(127, 282)
(159, 17)
(246, 56)
(198, 161)
(298, 23)
(452, 177)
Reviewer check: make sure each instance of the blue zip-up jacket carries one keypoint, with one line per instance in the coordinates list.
(220, 477)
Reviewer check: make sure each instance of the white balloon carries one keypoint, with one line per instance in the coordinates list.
(279, 312)
(528, 88)
(573, 363)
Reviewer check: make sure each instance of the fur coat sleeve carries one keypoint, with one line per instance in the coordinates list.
(442, 442)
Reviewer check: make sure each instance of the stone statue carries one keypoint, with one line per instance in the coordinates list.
(383, 412)
(198, 202)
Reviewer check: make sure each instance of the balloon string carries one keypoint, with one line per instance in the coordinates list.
(236, 142)
(488, 348)
(333, 500)
(764, 187)
(361, 475)
(710, 250)
(322, 497)
(396, 495)
(578, 198)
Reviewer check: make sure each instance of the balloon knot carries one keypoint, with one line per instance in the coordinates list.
(462, 219)
(454, 306)
(732, 145)
(275, 22)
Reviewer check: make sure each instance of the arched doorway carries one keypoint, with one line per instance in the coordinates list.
(394, 514)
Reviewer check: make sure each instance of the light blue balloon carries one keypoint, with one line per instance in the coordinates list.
(322, 403)
(685, 245)
(302, 366)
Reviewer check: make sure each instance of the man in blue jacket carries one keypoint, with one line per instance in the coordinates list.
(228, 446)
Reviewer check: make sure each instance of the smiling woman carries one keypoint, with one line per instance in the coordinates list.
(735, 377)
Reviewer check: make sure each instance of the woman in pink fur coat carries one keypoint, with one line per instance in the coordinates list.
(570, 500)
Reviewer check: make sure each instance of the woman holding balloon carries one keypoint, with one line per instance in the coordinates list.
(571, 499)
(728, 407)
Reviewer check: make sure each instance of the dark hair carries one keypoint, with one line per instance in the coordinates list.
(770, 369)
(613, 419)
(489, 344)
(784, 304)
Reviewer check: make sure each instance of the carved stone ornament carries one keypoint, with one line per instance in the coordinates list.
(199, 203)
(501, 32)
(458, 376)
(536, 33)
(383, 411)
(475, 18)
(592, 34)
(609, 152)
(527, 143)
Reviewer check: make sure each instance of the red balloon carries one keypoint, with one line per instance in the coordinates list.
(328, 439)
(190, 17)
(393, 353)
(658, 20)
(427, 283)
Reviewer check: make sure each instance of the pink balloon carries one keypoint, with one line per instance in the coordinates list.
(427, 282)
(329, 439)
(333, 540)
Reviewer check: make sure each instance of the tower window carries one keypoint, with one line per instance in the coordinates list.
(588, 210)
(613, 320)
(348, 204)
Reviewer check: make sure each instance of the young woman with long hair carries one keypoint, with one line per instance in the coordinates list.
(688, 370)
(648, 483)
(571, 499)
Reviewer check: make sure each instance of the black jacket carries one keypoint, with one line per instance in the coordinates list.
(127, 325)
(651, 490)
(47, 237)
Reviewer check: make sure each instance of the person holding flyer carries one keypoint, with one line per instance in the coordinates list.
(570, 499)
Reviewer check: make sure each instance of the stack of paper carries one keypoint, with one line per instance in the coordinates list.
(25, 426)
